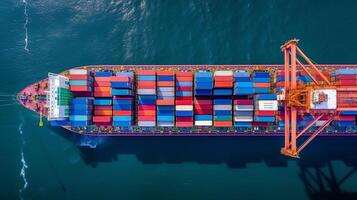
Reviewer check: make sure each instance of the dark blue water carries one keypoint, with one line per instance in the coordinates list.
(49, 163)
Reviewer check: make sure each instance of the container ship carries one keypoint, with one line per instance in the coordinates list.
(297, 98)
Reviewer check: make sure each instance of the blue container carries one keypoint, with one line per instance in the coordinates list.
(80, 107)
(165, 118)
(80, 123)
(122, 118)
(125, 85)
(261, 75)
(79, 82)
(122, 123)
(60, 123)
(203, 85)
(203, 92)
(183, 94)
(261, 80)
(203, 117)
(130, 74)
(122, 107)
(244, 91)
(222, 101)
(345, 123)
(103, 102)
(242, 124)
(121, 92)
(79, 117)
(165, 107)
(222, 112)
(346, 71)
(305, 79)
(264, 119)
(281, 124)
(349, 113)
(265, 97)
(262, 90)
(165, 78)
(243, 113)
(122, 102)
(180, 113)
(241, 74)
(242, 79)
(146, 78)
(165, 112)
(147, 97)
(81, 100)
(243, 85)
(80, 112)
(203, 74)
(222, 92)
(103, 74)
(183, 84)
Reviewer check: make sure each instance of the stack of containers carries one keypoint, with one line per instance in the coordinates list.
(184, 99)
(243, 106)
(266, 107)
(222, 103)
(123, 102)
(80, 111)
(102, 84)
(103, 111)
(80, 82)
(242, 83)
(165, 98)
(203, 101)
(146, 91)
(261, 81)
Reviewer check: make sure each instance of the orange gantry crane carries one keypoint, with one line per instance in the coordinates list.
(321, 98)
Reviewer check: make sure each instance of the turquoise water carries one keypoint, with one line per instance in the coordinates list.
(49, 163)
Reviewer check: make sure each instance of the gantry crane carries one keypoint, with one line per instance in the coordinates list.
(321, 98)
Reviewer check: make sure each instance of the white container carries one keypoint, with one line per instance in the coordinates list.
(166, 89)
(168, 94)
(223, 73)
(165, 98)
(146, 123)
(78, 71)
(243, 119)
(244, 107)
(165, 124)
(184, 108)
(271, 105)
(203, 123)
(320, 122)
(146, 91)
(222, 107)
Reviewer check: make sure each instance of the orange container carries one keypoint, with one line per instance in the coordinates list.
(280, 84)
(147, 112)
(223, 84)
(102, 94)
(224, 78)
(146, 84)
(165, 102)
(223, 123)
(122, 112)
(79, 88)
(103, 112)
(78, 77)
(184, 124)
(165, 73)
(184, 78)
(147, 118)
(165, 84)
(102, 89)
(145, 72)
(101, 83)
(108, 78)
(120, 79)
(261, 84)
(183, 74)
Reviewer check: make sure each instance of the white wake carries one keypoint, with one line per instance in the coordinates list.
(25, 25)
(24, 164)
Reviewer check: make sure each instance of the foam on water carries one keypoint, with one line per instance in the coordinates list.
(24, 164)
(25, 25)
(89, 141)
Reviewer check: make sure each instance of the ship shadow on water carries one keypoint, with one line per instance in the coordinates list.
(316, 167)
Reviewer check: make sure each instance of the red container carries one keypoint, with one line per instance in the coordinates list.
(122, 112)
(184, 79)
(203, 106)
(262, 85)
(102, 118)
(184, 119)
(346, 118)
(108, 78)
(165, 83)
(120, 79)
(122, 98)
(280, 84)
(102, 89)
(243, 102)
(184, 74)
(263, 124)
(223, 78)
(78, 77)
(165, 73)
(203, 112)
(147, 107)
(223, 84)
(161, 102)
(103, 107)
(103, 123)
(346, 82)
(101, 83)
(146, 72)
(78, 88)
(102, 94)
(147, 118)
(264, 113)
(346, 77)
(184, 98)
(184, 124)
(146, 84)
(223, 123)
(146, 112)
(184, 89)
(184, 102)
(200, 102)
